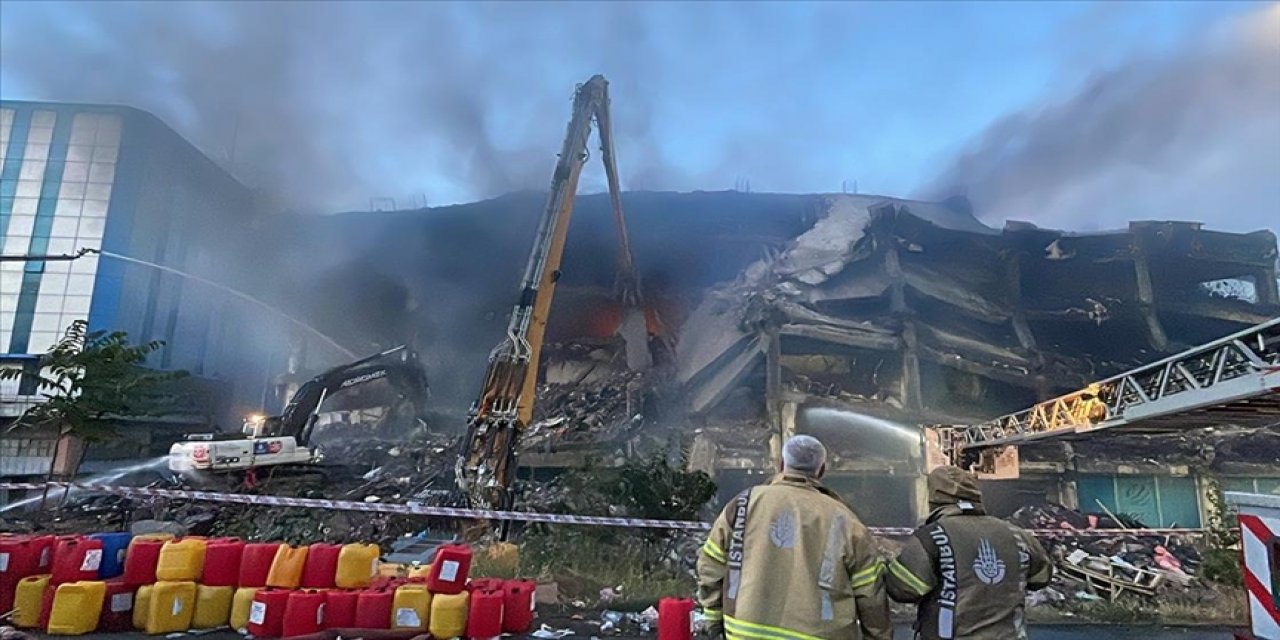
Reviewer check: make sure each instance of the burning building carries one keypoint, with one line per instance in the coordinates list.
(856, 318)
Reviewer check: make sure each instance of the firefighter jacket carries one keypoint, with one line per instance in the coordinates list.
(799, 565)
(968, 571)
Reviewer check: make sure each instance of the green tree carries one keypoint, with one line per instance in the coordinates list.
(1221, 543)
(88, 380)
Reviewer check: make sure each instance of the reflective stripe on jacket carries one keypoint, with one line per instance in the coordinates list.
(969, 572)
(809, 568)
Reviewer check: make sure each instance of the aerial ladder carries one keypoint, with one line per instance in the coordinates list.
(487, 464)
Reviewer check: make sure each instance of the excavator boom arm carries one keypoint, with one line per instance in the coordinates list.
(487, 464)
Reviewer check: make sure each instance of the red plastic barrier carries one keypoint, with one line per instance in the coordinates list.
(76, 558)
(303, 613)
(117, 607)
(340, 609)
(46, 605)
(266, 614)
(518, 606)
(485, 618)
(222, 562)
(675, 619)
(20, 556)
(450, 568)
(486, 584)
(373, 609)
(322, 566)
(255, 563)
(141, 560)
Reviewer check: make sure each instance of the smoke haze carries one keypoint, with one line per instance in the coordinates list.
(327, 105)
(1194, 134)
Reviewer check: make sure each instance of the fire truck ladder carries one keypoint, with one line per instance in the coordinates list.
(1232, 380)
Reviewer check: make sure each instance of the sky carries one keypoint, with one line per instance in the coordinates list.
(1071, 115)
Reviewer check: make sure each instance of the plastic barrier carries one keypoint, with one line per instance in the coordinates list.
(287, 566)
(117, 607)
(181, 560)
(340, 609)
(27, 597)
(76, 558)
(222, 562)
(675, 619)
(266, 616)
(76, 608)
(114, 547)
(171, 606)
(411, 607)
(449, 569)
(357, 565)
(484, 620)
(303, 613)
(141, 559)
(322, 566)
(142, 606)
(449, 615)
(213, 606)
(255, 563)
(518, 605)
(20, 557)
(373, 609)
(241, 607)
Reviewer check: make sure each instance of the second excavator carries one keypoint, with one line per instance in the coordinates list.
(487, 464)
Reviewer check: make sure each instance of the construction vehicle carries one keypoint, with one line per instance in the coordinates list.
(487, 464)
(286, 439)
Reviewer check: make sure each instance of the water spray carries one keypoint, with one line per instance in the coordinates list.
(178, 272)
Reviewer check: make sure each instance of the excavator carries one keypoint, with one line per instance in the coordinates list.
(285, 439)
(486, 466)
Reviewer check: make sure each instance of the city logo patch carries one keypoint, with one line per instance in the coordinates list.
(988, 566)
(782, 531)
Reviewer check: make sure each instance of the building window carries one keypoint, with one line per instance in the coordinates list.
(1156, 501)
(1252, 485)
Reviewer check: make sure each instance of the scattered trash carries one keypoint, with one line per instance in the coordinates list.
(550, 633)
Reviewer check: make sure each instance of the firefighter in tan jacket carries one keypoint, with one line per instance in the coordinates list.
(968, 571)
(788, 560)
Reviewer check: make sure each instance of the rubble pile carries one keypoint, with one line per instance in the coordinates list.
(587, 413)
(1105, 567)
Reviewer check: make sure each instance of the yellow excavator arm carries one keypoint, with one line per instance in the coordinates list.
(487, 464)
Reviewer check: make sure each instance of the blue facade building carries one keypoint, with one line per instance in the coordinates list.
(117, 179)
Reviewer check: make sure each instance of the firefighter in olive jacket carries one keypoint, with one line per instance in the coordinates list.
(968, 571)
(788, 560)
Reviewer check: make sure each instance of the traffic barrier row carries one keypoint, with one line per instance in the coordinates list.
(484, 514)
(162, 584)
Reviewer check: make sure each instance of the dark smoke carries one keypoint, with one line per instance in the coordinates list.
(326, 105)
(1190, 135)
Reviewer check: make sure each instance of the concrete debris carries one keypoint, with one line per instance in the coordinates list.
(1110, 565)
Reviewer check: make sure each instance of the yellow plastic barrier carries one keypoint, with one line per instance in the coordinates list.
(142, 606)
(172, 605)
(213, 607)
(449, 615)
(27, 599)
(411, 607)
(241, 606)
(76, 607)
(181, 560)
(357, 565)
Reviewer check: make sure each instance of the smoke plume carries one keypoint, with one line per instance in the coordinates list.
(1190, 135)
(327, 105)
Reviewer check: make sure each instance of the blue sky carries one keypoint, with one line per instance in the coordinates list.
(336, 103)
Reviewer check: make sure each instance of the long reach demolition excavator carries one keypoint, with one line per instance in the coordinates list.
(487, 464)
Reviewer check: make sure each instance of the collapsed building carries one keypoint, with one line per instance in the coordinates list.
(856, 318)
(888, 314)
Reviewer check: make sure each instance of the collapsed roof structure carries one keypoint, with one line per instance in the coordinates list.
(915, 313)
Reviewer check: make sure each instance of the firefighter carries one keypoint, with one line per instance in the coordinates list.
(969, 572)
(788, 560)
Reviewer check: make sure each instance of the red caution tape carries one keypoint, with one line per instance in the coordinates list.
(485, 514)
